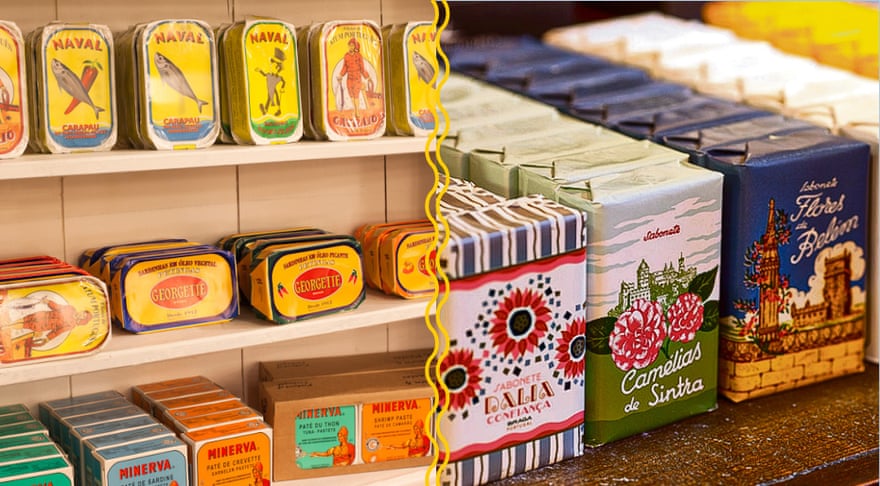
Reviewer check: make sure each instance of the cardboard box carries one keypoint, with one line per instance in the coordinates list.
(344, 365)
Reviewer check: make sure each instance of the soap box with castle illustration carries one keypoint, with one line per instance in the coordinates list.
(514, 369)
(794, 261)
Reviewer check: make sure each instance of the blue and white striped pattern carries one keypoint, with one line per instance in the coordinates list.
(514, 460)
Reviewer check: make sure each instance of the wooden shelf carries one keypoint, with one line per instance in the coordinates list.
(825, 433)
(127, 349)
(413, 476)
(30, 166)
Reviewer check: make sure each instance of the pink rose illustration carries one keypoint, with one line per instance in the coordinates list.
(685, 318)
(638, 335)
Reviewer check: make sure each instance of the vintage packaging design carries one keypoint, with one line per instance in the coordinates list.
(368, 236)
(79, 435)
(238, 453)
(458, 196)
(245, 246)
(158, 461)
(24, 441)
(348, 87)
(519, 75)
(17, 429)
(12, 409)
(348, 365)
(174, 288)
(171, 405)
(312, 277)
(405, 257)
(605, 109)
(56, 471)
(410, 77)
(169, 70)
(210, 420)
(262, 82)
(514, 372)
(652, 310)
(794, 261)
(140, 394)
(593, 81)
(178, 418)
(14, 418)
(321, 427)
(91, 258)
(26, 454)
(46, 409)
(13, 98)
(62, 316)
(73, 102)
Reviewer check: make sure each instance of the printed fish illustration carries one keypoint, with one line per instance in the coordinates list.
(173, 77)
(72, 85)
(424, 69)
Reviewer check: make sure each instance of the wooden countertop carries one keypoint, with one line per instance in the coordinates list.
(824, 434)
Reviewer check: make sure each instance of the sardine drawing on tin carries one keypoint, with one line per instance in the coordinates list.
(174, 78)
(71, 84)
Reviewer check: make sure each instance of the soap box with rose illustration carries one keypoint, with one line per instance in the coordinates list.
(654, 241)
(514, 370)
(794, 266)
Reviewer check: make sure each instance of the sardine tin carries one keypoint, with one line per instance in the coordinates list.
(140, 393)
(262, 82)
(405, 257)
(367, 235)
(348, 88)
(301, 280)
(13, 88)
(56, 471)
(167, 454)
(410, 77)
(61, 317)
(237, 415)
(253, 437)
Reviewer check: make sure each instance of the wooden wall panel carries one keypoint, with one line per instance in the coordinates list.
(409, 179)
(31, 218)
(32, 393)
(409, 334)
(304, 12)
(120, 15)
(336, 195)
(198, 204)
(28, 15)
(399, 11)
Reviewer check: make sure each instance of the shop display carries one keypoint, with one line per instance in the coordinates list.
(14, 139)
(260, 81)
(514, 372)
(72, 91)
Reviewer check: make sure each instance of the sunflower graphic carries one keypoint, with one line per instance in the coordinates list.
(571, 349)
(519, 323)
(461, 373)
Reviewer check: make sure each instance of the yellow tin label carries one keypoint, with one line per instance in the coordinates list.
(13, 128)
(272, 81)
(354, 88)
(53, 319)
(405, 258)
(303, 280)
(78, 84)
(180, 80)
(239, 459)
(395, 430)
(420, 52)
(159, 292)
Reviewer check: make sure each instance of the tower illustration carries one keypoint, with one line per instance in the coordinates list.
(768, 318)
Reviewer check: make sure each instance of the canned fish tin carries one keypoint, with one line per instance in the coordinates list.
(162, 460)
(209, 451)
(348, 86)
(67, 316)
(299, 280)
(174, 288)
(76, 103)
(13, 83)
(410, 69)
(56, 471)
(262, 85)
(406, 254)
(177, 64)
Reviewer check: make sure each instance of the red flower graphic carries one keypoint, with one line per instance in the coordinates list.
(685, 317)
(571, 348)
(461, 374)
(638, 335)
(519, 323)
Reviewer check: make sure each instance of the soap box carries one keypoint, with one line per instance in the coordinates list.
(517, 76)
(514, 370)
(652, 296)
(794, 266)
(559, 91)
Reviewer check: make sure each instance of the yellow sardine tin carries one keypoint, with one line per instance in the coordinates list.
(410, 69)
(299, 280)
(13, 84)
(246, 247)
(348, 85)
(51, 319)
(76, 102)
(262, 82)
(406, 254)
(174, 288)
(179, 66)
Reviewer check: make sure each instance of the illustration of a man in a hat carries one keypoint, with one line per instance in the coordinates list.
(274, 83)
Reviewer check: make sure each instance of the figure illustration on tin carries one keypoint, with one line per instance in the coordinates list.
(418, 444)
(172, 76)
(343, 453)
(38, 322)
(257, 472)
(6, 95)
(71, 84)
(275, 83)
(354, 69)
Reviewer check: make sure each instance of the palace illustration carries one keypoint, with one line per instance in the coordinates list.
(663, 286)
